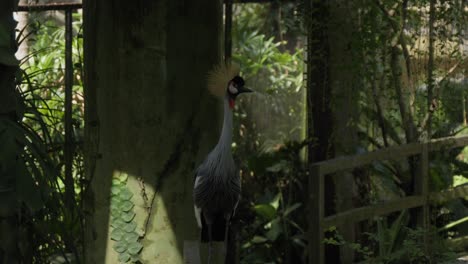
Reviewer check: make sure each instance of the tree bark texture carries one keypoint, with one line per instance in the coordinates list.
(333, 90)
(319, 112)
(345, 80)
(149, 118)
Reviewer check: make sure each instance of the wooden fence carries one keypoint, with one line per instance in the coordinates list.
(420, 200)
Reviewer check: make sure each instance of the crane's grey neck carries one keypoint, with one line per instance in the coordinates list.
(225, 140)
(219, 162)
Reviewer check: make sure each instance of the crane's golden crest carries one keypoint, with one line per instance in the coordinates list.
(219, 77)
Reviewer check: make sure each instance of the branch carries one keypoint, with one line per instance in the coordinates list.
(435, 98)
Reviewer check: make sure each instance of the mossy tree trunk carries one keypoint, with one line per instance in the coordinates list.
(149, 120)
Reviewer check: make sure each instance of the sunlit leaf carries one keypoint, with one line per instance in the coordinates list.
(265, 210)
(126, 206)
(275, 230)
(130, 227)
(259, 239)
(124, 257)
(128, 216)
(131, 237)
(120, 246)
(134, 248)
(125, 194)
(117, 234)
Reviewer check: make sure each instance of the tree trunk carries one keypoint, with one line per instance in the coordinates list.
(149, 120)
(333, 103)
(319, 112)
(344, 86)
(9, 152)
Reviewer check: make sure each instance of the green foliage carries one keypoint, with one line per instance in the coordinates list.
(391, 39)
(127, 243)
(394, 243)
(275, 113)
(274, 229)
(50, 231)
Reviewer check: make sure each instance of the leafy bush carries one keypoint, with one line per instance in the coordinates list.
(50, 228)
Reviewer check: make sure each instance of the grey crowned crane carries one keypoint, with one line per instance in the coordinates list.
(217, 187)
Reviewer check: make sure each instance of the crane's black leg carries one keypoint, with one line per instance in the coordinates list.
(210, 243)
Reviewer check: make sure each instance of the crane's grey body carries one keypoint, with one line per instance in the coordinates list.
(217, 182)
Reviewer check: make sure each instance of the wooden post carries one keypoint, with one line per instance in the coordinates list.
(421, 183)
(316, 214)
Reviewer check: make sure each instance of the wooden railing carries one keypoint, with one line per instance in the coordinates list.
(420, 200)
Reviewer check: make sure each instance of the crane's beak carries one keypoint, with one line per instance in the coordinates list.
(244, 89)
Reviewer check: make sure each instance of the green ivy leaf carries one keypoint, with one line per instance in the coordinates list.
(116, 182)
(115, 201)
(131, 237)
(118, 223)
(115, 190)
(130, 227)
(120, 246)
(122, 177)
(124, 257)
(128, 216)
(117, 234)
(125, 194)
(134, 248)
(126, 206)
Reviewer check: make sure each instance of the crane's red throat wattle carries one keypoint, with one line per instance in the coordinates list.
(232, 102)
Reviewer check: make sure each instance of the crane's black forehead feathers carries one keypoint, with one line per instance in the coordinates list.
(238, 80)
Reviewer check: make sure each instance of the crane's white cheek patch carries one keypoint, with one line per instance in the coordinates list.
(233, 89)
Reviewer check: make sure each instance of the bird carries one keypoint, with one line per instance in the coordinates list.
(217, 184)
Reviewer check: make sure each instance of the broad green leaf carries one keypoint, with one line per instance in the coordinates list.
(275, 230)
(265, 210)
(259, 239)
(291, 208)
